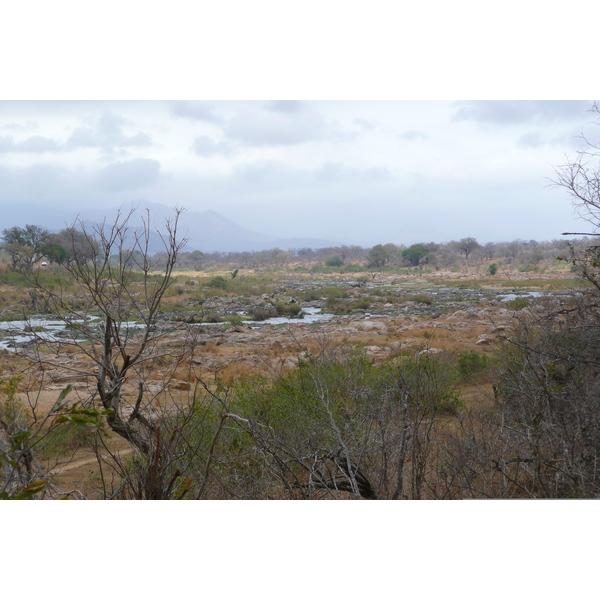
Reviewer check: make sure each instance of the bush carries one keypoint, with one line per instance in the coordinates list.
(362, 304)
(339, 398)
(471, 364)
(261, 312)
(234, 320)
(518, 303)
(288, 310)
(423, 298)
(353, 268)
(493, 269)
(218, 282)
(334, 261)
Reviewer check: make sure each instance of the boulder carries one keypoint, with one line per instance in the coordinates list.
(373, 326)
(429, 352)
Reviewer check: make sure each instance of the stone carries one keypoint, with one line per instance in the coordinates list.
(372, 326)
(429, 352)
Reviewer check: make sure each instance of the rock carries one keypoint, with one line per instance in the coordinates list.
(429, 352)
(373, 349)
(276, 346)
(183, 386)
(395, 346)
(372, 326)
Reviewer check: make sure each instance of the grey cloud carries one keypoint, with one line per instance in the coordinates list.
(365, 124)
(337, 172)
(35, 145)
(6, 144)
(412, 135)
(27, 126)
(108, 134)
(281, 128)
(205, 146)
(196, 111)
(267, 173)
(130, 175)
(286, 106)
(578, 138)
(509, 112)
(44, 183)
(533, 139)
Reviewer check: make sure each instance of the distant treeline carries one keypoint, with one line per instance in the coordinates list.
(22, 248)
(529, 254)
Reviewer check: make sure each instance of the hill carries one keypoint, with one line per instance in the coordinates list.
(207, 231)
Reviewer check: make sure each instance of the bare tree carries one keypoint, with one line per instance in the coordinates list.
(467, 246)
(115, 342)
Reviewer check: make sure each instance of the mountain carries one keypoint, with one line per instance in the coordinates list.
(211, 232)
(207, 231)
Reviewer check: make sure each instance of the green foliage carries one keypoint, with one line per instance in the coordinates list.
(20, 437)
(56, 253)
(518, 303)
(218, 282)
(261, 312)
(378, 256)
(415, 253)
(493, 269)
(339, 404)
(362, 304)
(529, 268)
(423, 298)
(24, 245)
(234, 320)
(353, 268)
(310, 295)
(334, 261)
(471, 364)
(292, 309)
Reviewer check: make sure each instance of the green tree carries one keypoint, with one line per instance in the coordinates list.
(81, 246)
(415, 253)
(55, 252)
(334, 261)
(24, 245)
(377, 256)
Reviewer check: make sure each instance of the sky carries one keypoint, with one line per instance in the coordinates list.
(414, 118)
(350, 171)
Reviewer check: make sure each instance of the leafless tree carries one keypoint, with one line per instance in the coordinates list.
(467, 246)
(115, 343)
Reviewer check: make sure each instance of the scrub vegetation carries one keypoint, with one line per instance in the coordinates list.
(441, 371)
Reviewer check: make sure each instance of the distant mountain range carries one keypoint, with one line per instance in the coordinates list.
(207, 231)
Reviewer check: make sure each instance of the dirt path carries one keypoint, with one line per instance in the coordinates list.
(82, 473)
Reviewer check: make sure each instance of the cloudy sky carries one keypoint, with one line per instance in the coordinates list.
(350, 171)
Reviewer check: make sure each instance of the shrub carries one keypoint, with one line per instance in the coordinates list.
(471, 364)
(261, 312)
(218, 282)
(362, 304)
(334, 261)
(518, 303)
(493, 269)
(288, 310)
(423, 298)
(310, 295)
(234, 320)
